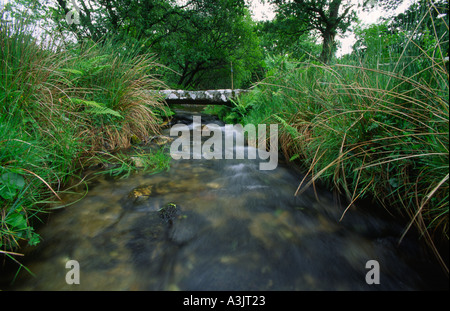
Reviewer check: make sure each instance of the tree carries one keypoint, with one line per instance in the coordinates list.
(278, 38)
(198, 39)
(125, 18)
(328, 17)
(421, 28)
(209, 38)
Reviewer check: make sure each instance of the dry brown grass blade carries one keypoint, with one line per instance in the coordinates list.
(423, 203)
(401, 158)
(11, 253)
(41, 179)
(315, 159)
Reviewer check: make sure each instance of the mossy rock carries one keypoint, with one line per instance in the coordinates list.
(134, 140)
(141, 192)
(168, 212)
(161, 140)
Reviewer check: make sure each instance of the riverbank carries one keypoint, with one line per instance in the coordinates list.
(62, 110)
(368, 133)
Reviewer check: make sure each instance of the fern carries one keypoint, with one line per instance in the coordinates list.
(95, 60)
(88, 67)
(290, 129)
(97, 69)
(70, 70)
(96, 108)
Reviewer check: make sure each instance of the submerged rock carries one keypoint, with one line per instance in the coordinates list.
(134, 140)
(168, 212)
(138, 161)
(141, 191)
(161, 140)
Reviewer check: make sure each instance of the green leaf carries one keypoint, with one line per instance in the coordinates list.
(294, 157)
(393, 182)
(34, 239)
(96, 108)
(10, 185)
(16, 220)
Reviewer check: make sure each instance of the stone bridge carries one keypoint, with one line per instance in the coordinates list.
(209, 97)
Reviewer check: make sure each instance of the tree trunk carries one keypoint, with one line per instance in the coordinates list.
(329, 33)
(328, 45)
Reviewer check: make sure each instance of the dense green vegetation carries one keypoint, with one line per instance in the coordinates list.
(198, 40)
(60, 110)
(372, 124)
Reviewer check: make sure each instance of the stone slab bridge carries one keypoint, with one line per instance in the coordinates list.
(209, 97)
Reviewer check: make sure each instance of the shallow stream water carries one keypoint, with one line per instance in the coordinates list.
(231, 227)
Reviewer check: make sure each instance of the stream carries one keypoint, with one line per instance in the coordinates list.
(223, 225)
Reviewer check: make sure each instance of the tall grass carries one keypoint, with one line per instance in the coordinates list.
(59, 107)
(111, 82)
(371, 127)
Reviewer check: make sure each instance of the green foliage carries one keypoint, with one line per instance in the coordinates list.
(210, 41)
(123, 165)
(10, 184)
(325, 17)
(197, 40)
(58, 108)
(375, 125)
(12, 188)
(280, 37)
(233, 114)
(110, 82)
(96, 108)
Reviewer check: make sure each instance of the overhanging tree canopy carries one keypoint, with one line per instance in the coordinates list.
(198, 39)
(328, 17)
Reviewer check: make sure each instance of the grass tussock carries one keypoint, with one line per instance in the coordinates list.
(59, 107)
(113, 86)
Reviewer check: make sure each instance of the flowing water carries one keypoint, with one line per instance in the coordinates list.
(222, 225)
